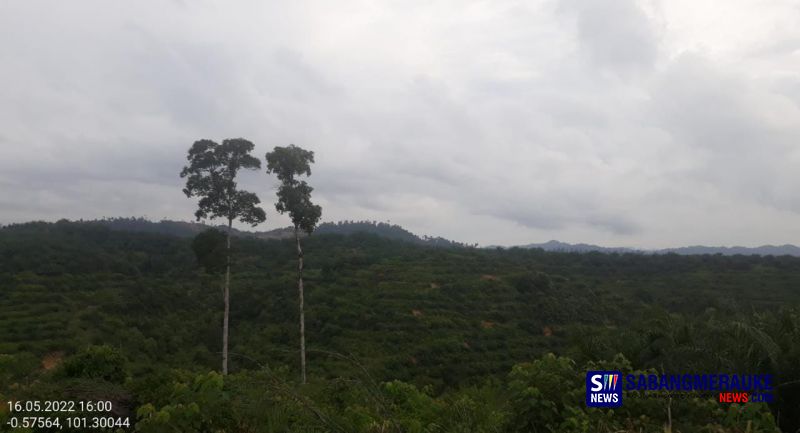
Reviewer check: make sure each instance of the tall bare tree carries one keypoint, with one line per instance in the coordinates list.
(211, 176)
(294, 197)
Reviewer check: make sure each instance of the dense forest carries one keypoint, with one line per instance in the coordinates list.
(402, 335)
(185, 229)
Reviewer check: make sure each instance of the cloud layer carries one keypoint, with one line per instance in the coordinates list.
(646, 123)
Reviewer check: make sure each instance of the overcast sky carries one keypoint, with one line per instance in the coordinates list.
(619, 122)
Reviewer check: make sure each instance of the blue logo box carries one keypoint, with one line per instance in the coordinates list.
(603, 389)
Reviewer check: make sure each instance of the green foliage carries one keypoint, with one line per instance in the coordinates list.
(17, 366)
(211, 175)
(199, 405)
(97, 362)
(209, 249)
(541, 391)
(296, 200)
(288, 162)
(532, 282)
(446, 339)
(294, 196)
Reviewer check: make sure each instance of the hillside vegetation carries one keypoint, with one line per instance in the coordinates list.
(401, 336)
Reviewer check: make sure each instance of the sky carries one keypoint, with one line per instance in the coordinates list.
(649, 124)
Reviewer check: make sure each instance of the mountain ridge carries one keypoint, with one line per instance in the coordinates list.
(191, 229)
(397, 232)
(763, 250)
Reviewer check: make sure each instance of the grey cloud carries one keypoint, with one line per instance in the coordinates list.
(724, 118)
(544, 219)
(614, 34)
(492, 122)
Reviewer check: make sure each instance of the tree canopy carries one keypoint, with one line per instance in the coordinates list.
(211, 175)
(209, 249)
(294, 195)
(289, 162)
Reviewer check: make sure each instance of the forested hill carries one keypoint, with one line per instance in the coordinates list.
(190, 229)
(396, 232)
(387, 230)
(444, 331)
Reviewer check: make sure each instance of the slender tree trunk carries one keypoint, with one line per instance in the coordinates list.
(302, 310)
(668, 428)
(227, 296)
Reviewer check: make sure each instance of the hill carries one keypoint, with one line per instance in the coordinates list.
(176, 228)
(564, 247)
(190, 229)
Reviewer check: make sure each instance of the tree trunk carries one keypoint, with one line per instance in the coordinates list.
(302, 311)
(227, 296)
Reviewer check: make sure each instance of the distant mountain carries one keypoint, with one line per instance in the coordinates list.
(765, 250)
